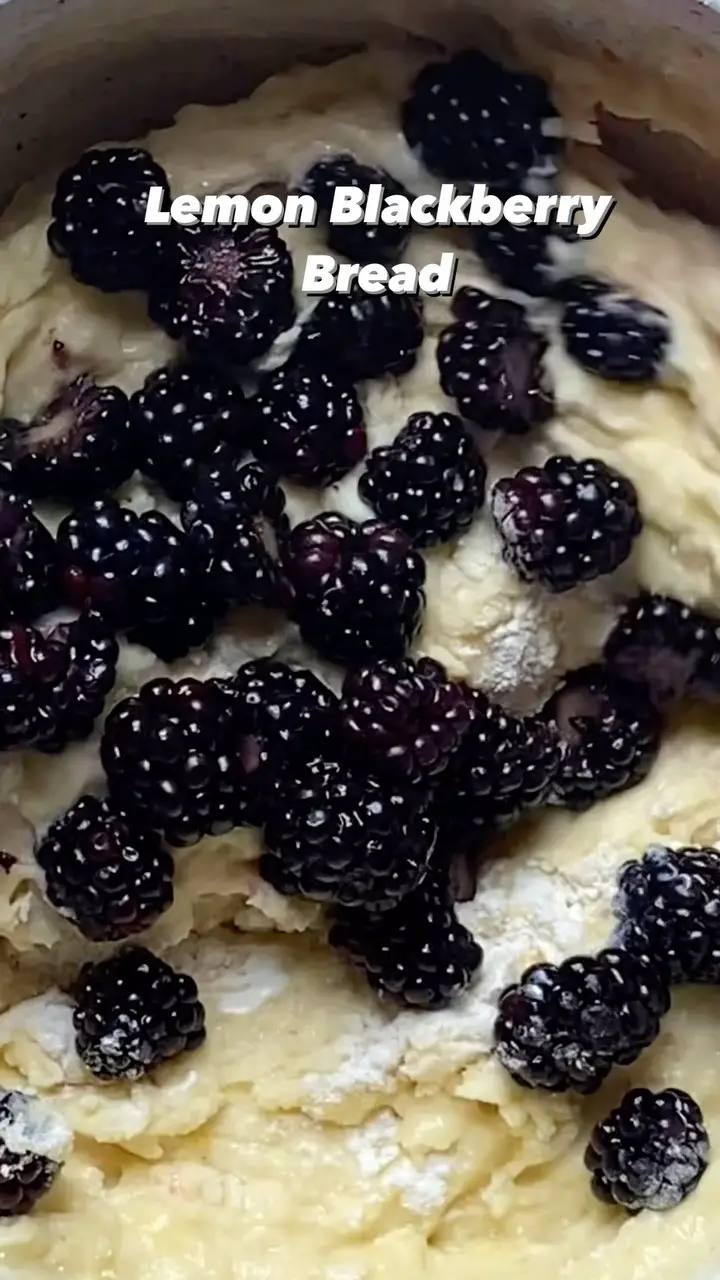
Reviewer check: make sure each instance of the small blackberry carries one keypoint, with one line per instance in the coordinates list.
(79, 446)
(357, 589)
(531, 259)
(105, 871)
(307, 426)
(99, 223)
(28, 562)
(134, 1012)
(668, 903)
(566, 522)
(282, 712)
(650, 1152)
(362, 335)
(418, 953)
(613, 334)
(360, 243)
(181, 416)
(226, 291)
(405, 718)
(430, 481)
(667, 646)
(566, 1026)
(610, 733)
(33, 1144)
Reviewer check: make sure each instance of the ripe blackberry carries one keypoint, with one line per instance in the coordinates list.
(141, 571)
(667, 646)
(28, 562)
(105, 871)
(613, 334)
(53, 684)
(668, 903)
(307, 426)
(79, 446)
(181, 416)
(405, 718)
(226, 291)
(357, 589)
(98, 216)
(650, 1152)
(430, 481)
(472, 120)
(531, 259)
(491, 365)
(285, 711)
(417, 953)
(567, 522)
(610, 733)
(361, 243)
(335, 835)
(566, 1026)
(134, 1012)
(33, 1144)
(362, 335)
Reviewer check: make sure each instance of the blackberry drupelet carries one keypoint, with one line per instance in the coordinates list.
(105, 870)
(28, 562)
(418, 953)
(307, 426)
(613, 334)
(668, 904)
(361, 243)
(610, 733)
(567, 522)
(134, 1012)
(668, 646)
(566, 1026)
(650, 1152)
(226, 291)
(360, 335)
(98, 216)
(77, 447)
(357, 589)
(32, 1146)
(532, 259)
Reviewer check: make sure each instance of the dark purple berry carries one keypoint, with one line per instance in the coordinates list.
(360, 335)
(612, 334)
(32, 1146)
(28, 563)
(668, 904)
(362, 242)
(670, 648)
(307, 426)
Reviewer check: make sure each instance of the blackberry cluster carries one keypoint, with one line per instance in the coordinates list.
(27, 1170)
(612, 334)
(105, 871)
(650, 1152)
(362, 335)
(357, 589)
(134, 1012)
(307, 426)
(566, 1026)
(98, 214)
(668, 904)
(566, 522)
(667, 646)
(530, 259)
(430, 481)
(28, 563)
(418, 953)
(361, 243)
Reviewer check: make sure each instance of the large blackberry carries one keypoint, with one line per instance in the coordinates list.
(566, 1026)
(362, 335)
(668, 903)
(134, 1012)
(610, 733)
(335, 835)
(28, 562)
(143, 572)
(79, 446)
(357, 589)
(430, 481)
(307, 426)
(362, 242)
(99, 219)
(53, 685)
(613, 334)
(669, 647)
(650, 1152)
(105, 871)
(566, 522)
(227, 291)
(418, 952)
(33, 1144)
(531, 259)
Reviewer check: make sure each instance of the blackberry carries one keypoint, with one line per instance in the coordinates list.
(79, 446)
(308, 426)
(430, 481)
(668, 903)
(361, 243)
(282, 712)
(418, 953)
(134, 1012)
(53, 684)
(105, 871)
(567, 522)
(405, 718)
(566, 1026)
(650, 1152)
(181, 415)
(141, 571)
(610, 733)
(362, 335)
(531, 259)
(613, 334)
(472, 120)
(33, 1143)
(226, 291)
(98, 214)
(667, 646)
(357, 589)
(28, 562)
(335, 835)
